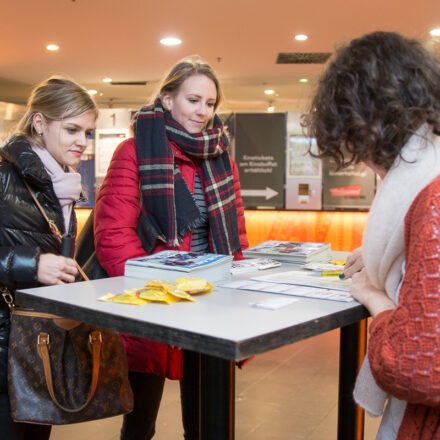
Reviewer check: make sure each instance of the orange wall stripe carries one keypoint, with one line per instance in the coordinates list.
(343, 230)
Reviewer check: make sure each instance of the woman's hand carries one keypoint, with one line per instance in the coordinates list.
(354, 264)
(373, 299)
(56, 269)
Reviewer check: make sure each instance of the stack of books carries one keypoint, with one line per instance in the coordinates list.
(291, 251)
(170, 265)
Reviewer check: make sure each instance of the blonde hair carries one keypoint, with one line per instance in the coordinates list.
(56, 98)
(184, 69)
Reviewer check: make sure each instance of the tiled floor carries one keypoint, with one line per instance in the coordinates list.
(286, 394)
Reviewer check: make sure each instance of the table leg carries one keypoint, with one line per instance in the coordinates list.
(217, 398)
(351, 353)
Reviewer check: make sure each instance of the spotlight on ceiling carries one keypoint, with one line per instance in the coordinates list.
(170, 41)
(301, 37)
(52, 47)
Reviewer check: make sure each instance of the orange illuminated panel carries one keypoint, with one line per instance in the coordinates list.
(343, 230)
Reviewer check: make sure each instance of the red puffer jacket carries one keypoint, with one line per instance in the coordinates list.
(116, 216)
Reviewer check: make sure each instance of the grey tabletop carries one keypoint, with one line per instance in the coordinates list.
(221, 323)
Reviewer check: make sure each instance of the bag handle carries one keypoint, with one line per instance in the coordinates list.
(95, 339)
(53, 227)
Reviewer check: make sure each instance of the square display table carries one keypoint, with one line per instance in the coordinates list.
(222, 328)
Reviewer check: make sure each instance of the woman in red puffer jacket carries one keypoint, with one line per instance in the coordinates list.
(172, 186)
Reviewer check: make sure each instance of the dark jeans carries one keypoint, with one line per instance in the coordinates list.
(147, 390)
(19, 431)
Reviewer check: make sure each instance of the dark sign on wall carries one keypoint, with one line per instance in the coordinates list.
(349, 188)
(259, 141)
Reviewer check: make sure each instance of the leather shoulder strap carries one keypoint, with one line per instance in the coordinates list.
(53, 227)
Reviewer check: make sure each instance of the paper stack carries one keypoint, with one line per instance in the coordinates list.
(291, 251)
(170, 265)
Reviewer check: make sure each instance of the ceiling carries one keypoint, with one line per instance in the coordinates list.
(241, 39)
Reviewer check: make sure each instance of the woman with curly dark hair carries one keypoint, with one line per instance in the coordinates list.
(379, 103)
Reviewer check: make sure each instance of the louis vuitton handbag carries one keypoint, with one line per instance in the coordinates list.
(62, 371)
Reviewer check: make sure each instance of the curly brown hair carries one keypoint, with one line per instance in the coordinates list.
(373, 96)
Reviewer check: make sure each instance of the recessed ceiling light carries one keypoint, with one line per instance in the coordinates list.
(270, 109)
(171, 41)
(107, 80)
(52, 47)
(303, 80)
(435, 32)
(92, 92)
(269, 92)
(301, 37)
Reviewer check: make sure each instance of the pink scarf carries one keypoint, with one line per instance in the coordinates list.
(67, 186)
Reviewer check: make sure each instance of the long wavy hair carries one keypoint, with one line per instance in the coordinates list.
(373, 96)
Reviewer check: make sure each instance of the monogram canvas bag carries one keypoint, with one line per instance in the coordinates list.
(62, 371)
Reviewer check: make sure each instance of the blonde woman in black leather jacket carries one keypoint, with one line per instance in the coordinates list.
(44, 152)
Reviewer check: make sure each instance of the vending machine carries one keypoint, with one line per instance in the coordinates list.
(303, 174)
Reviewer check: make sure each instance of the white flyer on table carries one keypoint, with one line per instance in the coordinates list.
(286, 289)
(308, 279)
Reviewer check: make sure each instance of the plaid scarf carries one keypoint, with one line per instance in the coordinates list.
(168, 202)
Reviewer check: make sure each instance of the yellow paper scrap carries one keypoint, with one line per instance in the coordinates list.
(181, 294)
(106, 297)
(158, 284)
(193, 285)
(129, 299)
(157, 295)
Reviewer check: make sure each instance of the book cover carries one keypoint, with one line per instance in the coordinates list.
(179, 261)
(288, 248)
(291, 251)
(251, 264)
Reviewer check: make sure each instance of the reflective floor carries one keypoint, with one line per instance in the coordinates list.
(286, 394)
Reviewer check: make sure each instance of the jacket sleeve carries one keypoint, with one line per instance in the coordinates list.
(240, 210)
(18, 266)
(117, 212)
(404, 344)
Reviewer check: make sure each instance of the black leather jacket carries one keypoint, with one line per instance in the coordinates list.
(24, 233)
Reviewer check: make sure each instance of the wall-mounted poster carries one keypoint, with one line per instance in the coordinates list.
(259, 148)
(350, 188)
(107, 139)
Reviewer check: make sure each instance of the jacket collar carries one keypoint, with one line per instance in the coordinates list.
(18, 152)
